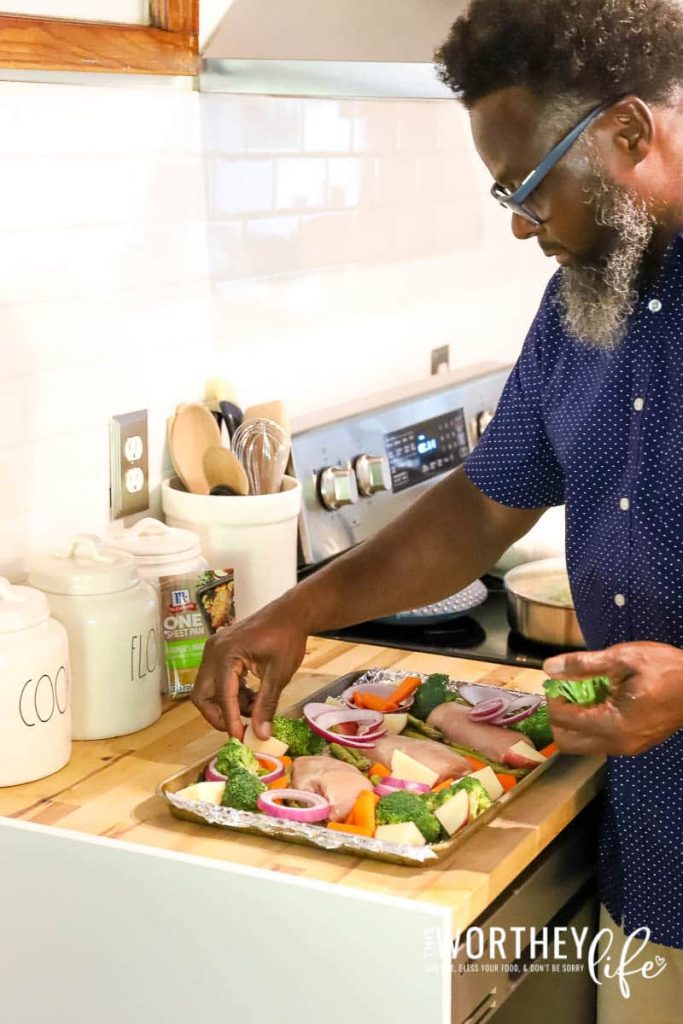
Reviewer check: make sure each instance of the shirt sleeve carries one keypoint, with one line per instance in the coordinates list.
(514, 462)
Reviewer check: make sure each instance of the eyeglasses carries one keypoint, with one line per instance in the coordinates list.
(515, 200)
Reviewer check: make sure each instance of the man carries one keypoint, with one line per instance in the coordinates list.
(576, 108)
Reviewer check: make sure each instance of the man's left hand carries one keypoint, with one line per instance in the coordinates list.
(644, 706)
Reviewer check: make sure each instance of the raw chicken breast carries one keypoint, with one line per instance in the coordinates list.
(492, 740)
(340, 783)
(436, 756)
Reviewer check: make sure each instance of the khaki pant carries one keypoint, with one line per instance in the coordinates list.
(653, 1000)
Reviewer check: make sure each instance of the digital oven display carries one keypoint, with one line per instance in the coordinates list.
(427, 449)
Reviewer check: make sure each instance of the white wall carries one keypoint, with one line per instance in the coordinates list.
(309, 249)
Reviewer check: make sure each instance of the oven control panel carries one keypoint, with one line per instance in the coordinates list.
(362, 464)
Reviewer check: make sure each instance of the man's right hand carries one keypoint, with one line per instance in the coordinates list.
(271, 644)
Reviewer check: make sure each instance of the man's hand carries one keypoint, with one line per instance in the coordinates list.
(267, 644)
(644, 707)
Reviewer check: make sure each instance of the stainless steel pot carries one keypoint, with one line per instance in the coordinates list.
(536, 609)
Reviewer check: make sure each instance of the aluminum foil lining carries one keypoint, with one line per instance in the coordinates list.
(277, 828)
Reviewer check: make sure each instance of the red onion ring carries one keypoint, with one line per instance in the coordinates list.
(381, 789)
(412, 787)
(317, 808)
(212, 775)
(487, 710)
(321, 717)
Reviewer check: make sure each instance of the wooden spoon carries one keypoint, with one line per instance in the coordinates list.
(193, 431)
(222, 469)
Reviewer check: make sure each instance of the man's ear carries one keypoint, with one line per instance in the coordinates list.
(629, 128)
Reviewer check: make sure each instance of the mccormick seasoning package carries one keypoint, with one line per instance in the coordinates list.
(193, 606)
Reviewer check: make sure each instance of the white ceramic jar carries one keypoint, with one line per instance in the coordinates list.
(255, 535)
(160, 550)
(35, 706)
(112, 621)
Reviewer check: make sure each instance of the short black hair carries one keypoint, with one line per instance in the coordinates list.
(588, 50)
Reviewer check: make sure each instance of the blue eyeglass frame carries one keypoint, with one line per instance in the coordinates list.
(514, 201)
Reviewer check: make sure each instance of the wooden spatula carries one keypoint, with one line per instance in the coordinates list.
(224, 472)
(193, 431)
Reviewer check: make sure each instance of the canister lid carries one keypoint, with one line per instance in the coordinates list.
(86, 567)
(21, 607)
(151, 539)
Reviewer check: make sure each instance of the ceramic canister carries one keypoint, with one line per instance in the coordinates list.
(112, 620)
(35, 705)
(160, 550)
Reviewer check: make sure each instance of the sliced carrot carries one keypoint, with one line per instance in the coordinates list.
(354, 830)
(550, 749)
(287, 761)
(370, 702)
(363, 811)
(442, 785)
(280, 783)
(475, 762)
(378, 769)
(404, 689)
(507, 781)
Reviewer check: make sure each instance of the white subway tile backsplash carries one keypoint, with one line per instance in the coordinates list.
(327, 238)
(396, 180)
(37, 266)
(63, 121)
(271, 246)
(86, 192)
(350, 181)
(327, 126)
(299, 183)
(240, 187)
(375, 126)
(151, 240)
(271, 124)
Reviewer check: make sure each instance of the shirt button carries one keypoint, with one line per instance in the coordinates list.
(638, 404)
(654, 305)
(624, 504)
(619, 600)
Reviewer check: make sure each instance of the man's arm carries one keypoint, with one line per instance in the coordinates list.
(450, 536)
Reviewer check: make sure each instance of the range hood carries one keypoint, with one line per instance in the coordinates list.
(325, 47)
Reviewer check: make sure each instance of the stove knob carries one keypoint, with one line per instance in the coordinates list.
(372, 473)
(337, 487)
(483, 420)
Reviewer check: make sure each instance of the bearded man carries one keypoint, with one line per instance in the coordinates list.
(576, 109)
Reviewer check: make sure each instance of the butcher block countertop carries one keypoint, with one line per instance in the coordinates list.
(108, 789)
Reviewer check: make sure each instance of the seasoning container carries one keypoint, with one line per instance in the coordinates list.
(35, 707)
(112, 620)
(160, 550)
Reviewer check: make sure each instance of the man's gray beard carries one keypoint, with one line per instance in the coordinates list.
(596, 302)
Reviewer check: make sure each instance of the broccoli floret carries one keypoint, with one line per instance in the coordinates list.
(242, 790)
(434, 691)
(298, 735)
(478, 798)
(235, 755)
(579, 691)
(401, 806)
(536, 727)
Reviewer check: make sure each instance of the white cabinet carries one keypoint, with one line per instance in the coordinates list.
(107, 931)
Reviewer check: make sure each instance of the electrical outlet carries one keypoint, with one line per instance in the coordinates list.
(128, 464)
(441, 359)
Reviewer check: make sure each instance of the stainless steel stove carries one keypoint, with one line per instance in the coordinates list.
(363, 463)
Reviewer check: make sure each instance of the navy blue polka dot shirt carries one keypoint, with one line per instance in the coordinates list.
(603, 432)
